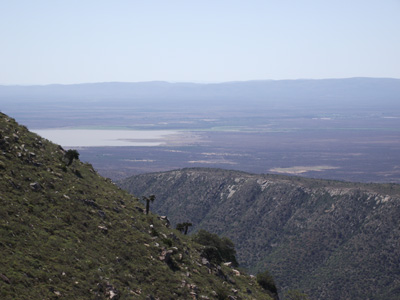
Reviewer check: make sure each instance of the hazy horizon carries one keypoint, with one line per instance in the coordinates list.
(71, 42)
(198, 82)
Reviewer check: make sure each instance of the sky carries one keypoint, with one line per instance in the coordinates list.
(65, 42)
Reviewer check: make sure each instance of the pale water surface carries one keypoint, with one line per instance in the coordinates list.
(101, 138)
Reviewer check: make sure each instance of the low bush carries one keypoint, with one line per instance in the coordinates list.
(266, 281)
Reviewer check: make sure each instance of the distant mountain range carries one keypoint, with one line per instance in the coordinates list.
(333, 239)
(326, 91)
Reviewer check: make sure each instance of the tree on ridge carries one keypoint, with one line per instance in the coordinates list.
(183, 227)
(71, 155)
(151, 198)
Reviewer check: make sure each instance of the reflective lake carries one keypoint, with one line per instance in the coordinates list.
(101, 138)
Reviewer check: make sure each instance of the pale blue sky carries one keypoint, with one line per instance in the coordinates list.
(72, 41)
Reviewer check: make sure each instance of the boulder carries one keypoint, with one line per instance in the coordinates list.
(111, 292)
(167, 222)
(236, 272)
(35, 186)
(104, 229)
(205, 262)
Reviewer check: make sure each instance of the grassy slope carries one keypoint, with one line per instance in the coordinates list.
(68, 233)
(335, 240)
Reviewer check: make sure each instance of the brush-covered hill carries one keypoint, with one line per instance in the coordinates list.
(331, 239)
(68, 233)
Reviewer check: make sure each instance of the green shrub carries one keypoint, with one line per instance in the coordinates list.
(221, 294)
(212, 254)
(167, 242)
(71, 155)
(154, 232)
(266, 281)
(217, 249)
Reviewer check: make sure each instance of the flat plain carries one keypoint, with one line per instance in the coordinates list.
(345, 129)
(351, 154)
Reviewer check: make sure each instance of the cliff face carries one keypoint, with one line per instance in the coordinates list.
(68, 233)
(335, 240)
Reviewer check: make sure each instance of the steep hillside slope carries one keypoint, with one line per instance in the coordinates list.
(68, 233)
(334, 239)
